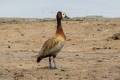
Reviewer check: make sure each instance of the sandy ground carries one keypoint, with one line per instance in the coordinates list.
(88, 53)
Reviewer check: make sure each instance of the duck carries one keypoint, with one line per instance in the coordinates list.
(53, 46)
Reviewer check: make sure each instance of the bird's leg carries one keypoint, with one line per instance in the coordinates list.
(50, 65)
(54, 63)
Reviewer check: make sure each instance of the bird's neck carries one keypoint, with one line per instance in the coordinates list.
(59, 30)
(59, 22)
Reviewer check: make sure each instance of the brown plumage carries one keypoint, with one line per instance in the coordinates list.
(53, 45)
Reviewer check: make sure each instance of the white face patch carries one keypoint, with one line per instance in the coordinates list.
(63, 14)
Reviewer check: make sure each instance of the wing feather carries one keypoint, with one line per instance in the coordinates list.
(48, 46)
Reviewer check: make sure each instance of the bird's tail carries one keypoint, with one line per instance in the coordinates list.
(38, 59)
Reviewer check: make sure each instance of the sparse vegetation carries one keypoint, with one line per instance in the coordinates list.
(87, 54)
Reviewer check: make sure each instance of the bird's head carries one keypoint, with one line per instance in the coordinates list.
(60, 15)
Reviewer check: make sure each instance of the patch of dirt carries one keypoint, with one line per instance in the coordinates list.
(87, 55)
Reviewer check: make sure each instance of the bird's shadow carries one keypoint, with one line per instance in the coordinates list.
(47, 68)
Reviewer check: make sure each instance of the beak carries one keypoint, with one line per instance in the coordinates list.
(66, 17)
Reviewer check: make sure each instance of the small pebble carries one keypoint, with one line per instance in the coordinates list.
(73, 44)
(22, 34)
(76, 55)
(99, 61)
(9, 46)
(60, 78)
(68, 39)
(56, 73)
(62, 70)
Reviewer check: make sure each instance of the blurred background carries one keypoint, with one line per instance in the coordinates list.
(48, 8)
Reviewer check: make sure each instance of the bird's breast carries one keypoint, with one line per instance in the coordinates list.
(60, 38)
